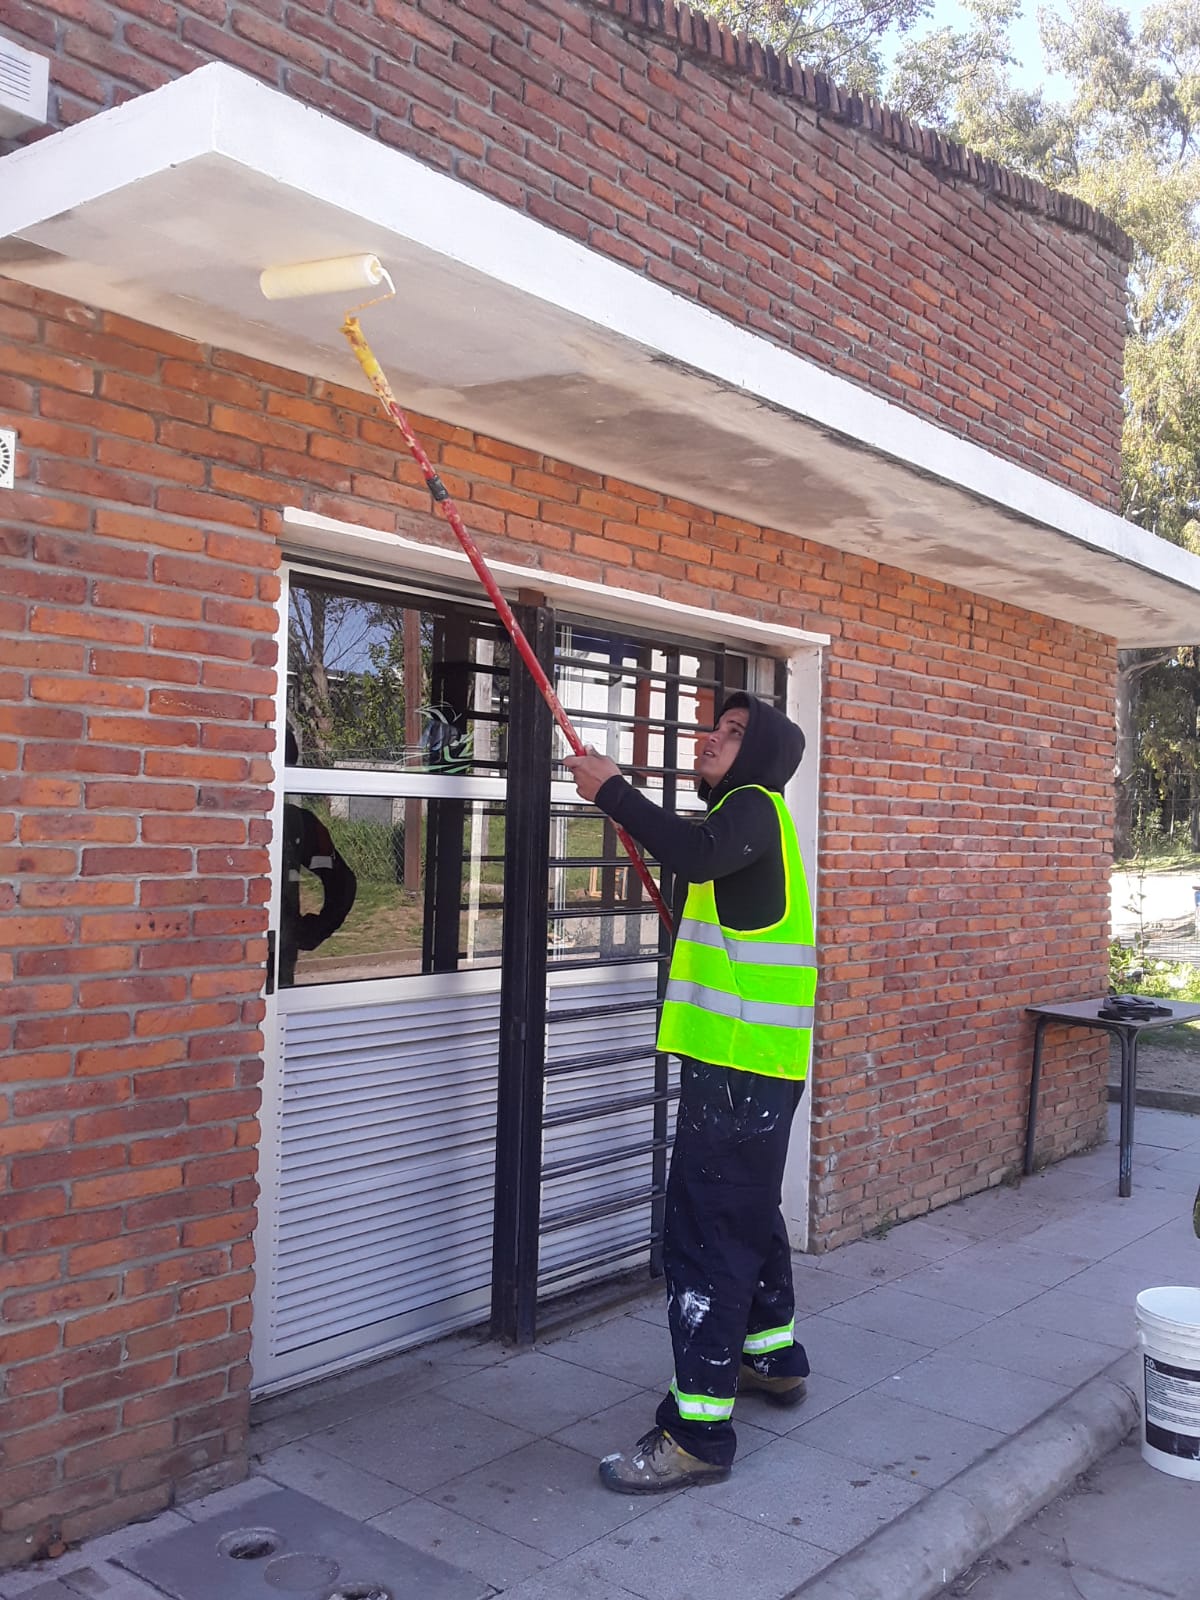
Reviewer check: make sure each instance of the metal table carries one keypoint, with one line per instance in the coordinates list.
(1085, 1014)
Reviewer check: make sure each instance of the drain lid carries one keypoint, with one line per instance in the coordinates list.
(360, 1591)
(250, 1544)
(300, 1573)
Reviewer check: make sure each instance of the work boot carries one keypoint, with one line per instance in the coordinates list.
(775, 1391)
(654, 1465)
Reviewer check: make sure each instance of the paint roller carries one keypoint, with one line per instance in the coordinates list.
(344, 275)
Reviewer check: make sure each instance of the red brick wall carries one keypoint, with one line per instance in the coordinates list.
(891, 256)
(965, 804)
(136, 668)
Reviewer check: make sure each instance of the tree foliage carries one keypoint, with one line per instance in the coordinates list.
(843, 38)
(1125, 139)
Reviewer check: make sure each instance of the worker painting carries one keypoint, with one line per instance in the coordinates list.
(738, 1012)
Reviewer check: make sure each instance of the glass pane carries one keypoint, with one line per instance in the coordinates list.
(640, 703)
(598, 907)
(383, 886)
(375, 684)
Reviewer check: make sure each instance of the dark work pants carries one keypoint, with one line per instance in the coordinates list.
(725, 1247)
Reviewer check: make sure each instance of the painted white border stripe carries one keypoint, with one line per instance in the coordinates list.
(313, 534)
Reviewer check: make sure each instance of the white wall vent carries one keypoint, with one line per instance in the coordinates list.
(24, 89)
(8, 458)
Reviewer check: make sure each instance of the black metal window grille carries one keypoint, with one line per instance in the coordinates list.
(595, 1094)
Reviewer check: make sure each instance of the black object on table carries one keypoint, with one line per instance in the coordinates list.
(1128, 1028)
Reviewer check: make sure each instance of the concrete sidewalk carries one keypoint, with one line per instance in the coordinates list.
(966, 1368)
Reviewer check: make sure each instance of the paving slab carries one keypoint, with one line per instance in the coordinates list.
(692, 1549)
(927, 1238)
(422, 1442)
(48, 1591)
(327, 1478)
(545, 1495)
(96, 1583)
(1061, 1310)
(912, 1317)
(909, 1441)
(870, 1260)
(539, 1393)
(1022, 1260)
(810, 1494)
(972, 1287)
(818, 1288)
(824, 1394)
(1016, 1345)
(441, 1532)
(856, 1356)
(974, 1392)
(625, 1347)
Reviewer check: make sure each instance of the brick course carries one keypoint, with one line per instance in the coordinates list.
(818, 219)
(965, 807)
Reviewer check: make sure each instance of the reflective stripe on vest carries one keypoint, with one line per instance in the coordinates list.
(762, 952)
(733, 1005)
(745, 999)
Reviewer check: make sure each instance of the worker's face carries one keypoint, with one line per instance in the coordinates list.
(715, 751)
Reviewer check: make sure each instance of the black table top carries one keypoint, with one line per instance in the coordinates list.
(1086, 1012)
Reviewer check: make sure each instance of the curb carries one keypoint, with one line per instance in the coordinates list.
(1161, 1099)
(916, 1556)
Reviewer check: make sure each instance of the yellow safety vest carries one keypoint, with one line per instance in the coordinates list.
(745, 999)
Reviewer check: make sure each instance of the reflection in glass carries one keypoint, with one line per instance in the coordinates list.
(640, 704)
(429, 887)
(377, 685)
(598, 908)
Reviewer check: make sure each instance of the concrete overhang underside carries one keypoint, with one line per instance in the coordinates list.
(167, 208)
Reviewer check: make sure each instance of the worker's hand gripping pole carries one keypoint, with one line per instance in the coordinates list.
(378, 381)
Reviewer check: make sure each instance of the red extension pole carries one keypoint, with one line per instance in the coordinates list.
(375, 374)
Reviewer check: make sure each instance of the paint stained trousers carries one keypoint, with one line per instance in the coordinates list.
(725, 1247)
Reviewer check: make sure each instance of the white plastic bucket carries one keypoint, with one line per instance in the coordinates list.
(1169, 1335)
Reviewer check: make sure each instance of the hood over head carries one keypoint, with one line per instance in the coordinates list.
(770, 751)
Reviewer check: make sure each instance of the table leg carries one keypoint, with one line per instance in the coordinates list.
(1128, 1086)
(1035, 1078)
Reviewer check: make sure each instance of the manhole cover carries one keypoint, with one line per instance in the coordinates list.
(283, 1546)
(299, 1573)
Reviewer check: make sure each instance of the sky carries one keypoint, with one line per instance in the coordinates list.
(1030, 73)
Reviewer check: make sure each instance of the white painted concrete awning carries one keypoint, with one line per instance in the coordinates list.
(167, 208)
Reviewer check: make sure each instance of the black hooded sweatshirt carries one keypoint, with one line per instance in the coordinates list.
(738, 845)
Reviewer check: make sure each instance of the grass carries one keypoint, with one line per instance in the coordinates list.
(1181, 858)
(1186, 1037)
(387, 920)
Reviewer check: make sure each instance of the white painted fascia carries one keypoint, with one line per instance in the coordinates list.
(310, 533)
(217, 110)
(306, 149)
(165, 128)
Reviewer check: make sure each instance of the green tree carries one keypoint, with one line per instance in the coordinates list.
(346, 684)
(843, 38)
(1125, 141)
(1169, 740)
